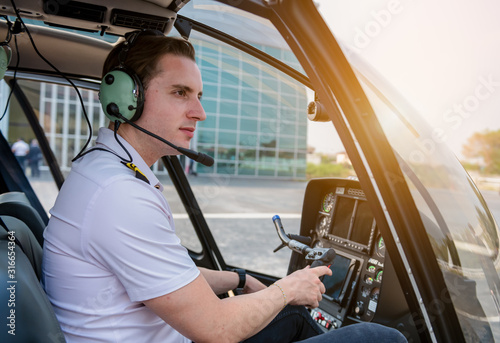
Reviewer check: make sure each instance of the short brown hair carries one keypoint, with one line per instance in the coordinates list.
(144, 54)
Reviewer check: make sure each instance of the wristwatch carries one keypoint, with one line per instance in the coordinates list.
(242, 275)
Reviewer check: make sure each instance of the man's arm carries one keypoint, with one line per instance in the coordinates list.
(196, 312)
(224, 281)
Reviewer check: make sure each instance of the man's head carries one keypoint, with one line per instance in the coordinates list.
(172, 92)
(129, 68)
(144, 52)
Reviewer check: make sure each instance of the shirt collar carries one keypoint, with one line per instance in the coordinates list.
(106, 138)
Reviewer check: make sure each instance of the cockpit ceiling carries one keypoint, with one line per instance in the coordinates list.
(114, 17)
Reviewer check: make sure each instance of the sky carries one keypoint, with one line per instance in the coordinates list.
(443, 56)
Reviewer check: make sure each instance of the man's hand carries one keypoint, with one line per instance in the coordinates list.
(303, 287)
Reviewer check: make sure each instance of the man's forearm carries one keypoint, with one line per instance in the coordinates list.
(220, 281)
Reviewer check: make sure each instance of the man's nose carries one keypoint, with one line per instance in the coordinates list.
(197, 112)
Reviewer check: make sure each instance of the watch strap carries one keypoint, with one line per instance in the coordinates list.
(242, 274)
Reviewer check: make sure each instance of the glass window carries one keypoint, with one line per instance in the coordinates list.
(206, 136)
(210, 106)
(247, 154)
(247, 168)
(269, 112)
(230, 93)
(266, 169)
(227, 138)
(268, 126)
(252, 68)
(248, 139)
(231, 63)
(250, 96)
(229, 79)
(229, 107)
(270, 83)
(249, 110)
(270, 97)
(208, 62)
(286, 142)
(209, 122)
(226, 153)
(228, 123)
(209, 91)
(287, 128)
(210, 76)
(267, 156)
(254, 30)
(248, 125)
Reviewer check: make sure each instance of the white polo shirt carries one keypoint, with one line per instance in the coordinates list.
(110, 244)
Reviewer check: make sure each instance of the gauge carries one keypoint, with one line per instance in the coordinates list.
(375, 294)
(372, 269)
(368, 279)
(380, 246)
(378, 276)
(323, 227)
(328, 202)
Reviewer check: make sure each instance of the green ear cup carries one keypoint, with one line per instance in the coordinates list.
(121, 92)
(5, 57)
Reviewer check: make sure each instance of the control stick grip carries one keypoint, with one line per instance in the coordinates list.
(325, 260)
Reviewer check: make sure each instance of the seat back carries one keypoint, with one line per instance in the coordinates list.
(17, 205)
(25, 306)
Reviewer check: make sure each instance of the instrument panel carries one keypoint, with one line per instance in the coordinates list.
(336, 214)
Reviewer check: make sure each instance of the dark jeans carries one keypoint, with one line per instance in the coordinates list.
(294, 324)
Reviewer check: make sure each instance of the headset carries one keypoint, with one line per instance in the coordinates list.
(5, 51)
(5, 57)
(121, 92)
(122, 96)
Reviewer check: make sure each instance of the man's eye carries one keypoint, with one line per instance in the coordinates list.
(181, 92)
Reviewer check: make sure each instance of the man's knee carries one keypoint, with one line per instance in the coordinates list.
(383, 333)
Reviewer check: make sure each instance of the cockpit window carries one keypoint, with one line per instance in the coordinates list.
(251, 29)
(461, 230)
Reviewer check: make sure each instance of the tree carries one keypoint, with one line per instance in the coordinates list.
(485, 144)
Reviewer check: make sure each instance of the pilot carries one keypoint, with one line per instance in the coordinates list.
(113, 267)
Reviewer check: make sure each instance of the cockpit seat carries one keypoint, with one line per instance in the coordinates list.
(17, 205)
(29, 313)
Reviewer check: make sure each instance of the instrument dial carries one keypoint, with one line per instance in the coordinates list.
(380, 246)
(328, 202)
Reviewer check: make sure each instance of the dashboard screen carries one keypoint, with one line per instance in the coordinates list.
(337, 283)
(363, 222)
(342, 216)
(352, 220)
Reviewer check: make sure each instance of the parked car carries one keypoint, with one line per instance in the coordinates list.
(416, 247)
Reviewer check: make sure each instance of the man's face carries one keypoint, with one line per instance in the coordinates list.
(172, 106)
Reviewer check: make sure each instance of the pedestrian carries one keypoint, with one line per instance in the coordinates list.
(21, 149)
(34, 156)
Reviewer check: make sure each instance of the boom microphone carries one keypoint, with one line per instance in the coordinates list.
(194, 155)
